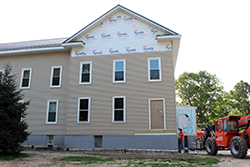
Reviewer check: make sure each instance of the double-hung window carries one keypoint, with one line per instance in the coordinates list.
(154, 69)
(85, 72)
(119, 109)
(119, 71)
(26, 78)
(56, 76)
(52, 111)
(83, 115)
(1, 75)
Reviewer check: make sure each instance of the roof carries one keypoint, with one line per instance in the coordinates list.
(125, 10)
(32, 44)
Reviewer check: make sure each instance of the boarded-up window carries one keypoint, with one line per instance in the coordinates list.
(98, 141)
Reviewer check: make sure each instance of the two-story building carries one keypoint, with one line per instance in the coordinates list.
(110, 85)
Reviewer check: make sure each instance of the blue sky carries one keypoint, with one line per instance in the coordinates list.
(215, 33)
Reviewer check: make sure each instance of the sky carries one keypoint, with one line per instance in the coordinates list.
(215, 34)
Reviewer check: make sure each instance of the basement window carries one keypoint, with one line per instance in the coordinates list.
(98, 142)
(50, 141)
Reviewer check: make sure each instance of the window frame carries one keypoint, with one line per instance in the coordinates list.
(149, 69)
(78, 109)
(124, 70)
(47, 113)
(124, 109)
(21, 81)
(52, 75)
(90, 73)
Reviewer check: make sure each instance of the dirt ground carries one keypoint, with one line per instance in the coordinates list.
(51, 159)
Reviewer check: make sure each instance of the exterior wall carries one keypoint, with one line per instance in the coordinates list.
(137, 90)
(165, 142)
(161, 142)
(40, 90)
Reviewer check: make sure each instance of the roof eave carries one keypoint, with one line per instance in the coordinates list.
(33, 51)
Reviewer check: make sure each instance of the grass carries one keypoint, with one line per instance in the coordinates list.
(199, 160)
(85, 160)
(12, 157)
(174, 162)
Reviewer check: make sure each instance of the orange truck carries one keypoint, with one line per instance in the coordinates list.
(228, 135)
(232, 132)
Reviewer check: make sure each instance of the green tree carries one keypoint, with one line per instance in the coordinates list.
(13, 129)
(204, 91)
(239, 99)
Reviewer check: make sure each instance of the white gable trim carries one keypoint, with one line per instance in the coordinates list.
(115, 10)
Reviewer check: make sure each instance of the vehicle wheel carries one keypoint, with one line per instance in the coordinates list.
(238, 147)
(211, 146)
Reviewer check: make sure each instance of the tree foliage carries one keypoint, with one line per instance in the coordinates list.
(239, 99)
(13, 128)
(202, 90)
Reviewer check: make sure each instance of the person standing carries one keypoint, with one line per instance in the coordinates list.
(180, 140)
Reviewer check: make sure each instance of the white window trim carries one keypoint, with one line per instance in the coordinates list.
(124, 109)
(51, 76)
(90, 75)
(149, 111)
(160, 78)
(47, 113)
(124, 70)
(21, 82)
(78, 109)
(1, 70)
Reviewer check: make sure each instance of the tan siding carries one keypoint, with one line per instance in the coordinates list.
(40, 90)
(137, 90)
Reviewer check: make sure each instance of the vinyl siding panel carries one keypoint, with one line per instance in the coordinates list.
(40, 90)
(137, 90)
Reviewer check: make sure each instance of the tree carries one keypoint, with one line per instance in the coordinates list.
(239, 98)
(204, 91)
(13, 129)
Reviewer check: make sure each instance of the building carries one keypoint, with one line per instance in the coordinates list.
(109, 86)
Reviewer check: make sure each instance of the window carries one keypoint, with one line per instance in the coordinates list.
(1, 75)
(52, 112)
(119, 71)
(83, 110)
(119, 109)
(98, 141)
(25, 78)
(56, 75)
(154, 69)
(50, 141)
(85, 72)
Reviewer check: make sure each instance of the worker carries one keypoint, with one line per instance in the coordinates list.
(180, 140)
